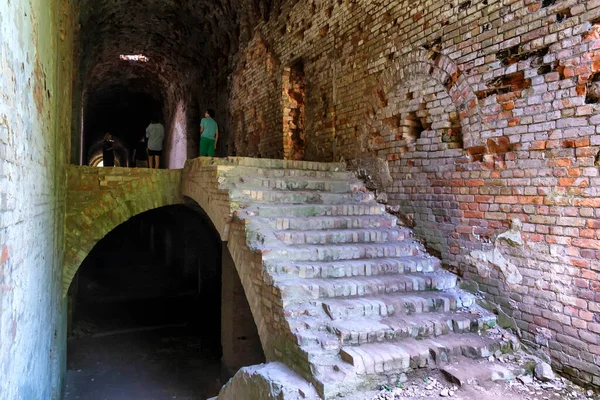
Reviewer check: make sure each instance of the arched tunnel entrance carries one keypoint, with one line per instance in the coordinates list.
(147, 311)
(124, 112)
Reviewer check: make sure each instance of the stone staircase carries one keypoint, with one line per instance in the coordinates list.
(362, 300)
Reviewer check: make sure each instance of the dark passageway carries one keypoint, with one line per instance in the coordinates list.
(123, 112)
(146, 311)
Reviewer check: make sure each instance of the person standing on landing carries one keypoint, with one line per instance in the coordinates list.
(155, 132)
(209, 134)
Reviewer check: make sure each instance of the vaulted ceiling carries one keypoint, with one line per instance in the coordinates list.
(187, 43)
(177, 36)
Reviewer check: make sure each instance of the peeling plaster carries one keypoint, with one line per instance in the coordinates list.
(482, 260)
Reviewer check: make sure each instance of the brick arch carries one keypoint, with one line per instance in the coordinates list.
(422, 63)
(101, 199)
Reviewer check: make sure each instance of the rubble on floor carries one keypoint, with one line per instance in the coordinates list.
(520, 383)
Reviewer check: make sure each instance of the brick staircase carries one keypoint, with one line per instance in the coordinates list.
(362, 300)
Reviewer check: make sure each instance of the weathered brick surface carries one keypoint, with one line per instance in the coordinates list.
(35, 88)
(487, 114)
(100, 199)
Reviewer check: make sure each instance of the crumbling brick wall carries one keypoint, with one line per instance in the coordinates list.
(486, 113)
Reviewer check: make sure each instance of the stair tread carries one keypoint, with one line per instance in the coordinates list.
(331, 231)
(376, 278)
(369, 324)
(266, 209)
(394, 303)
(271, 205)
(332, 217)
(264, 163)
(328, 222)
(342, 251)
(449, 340)
(392, 243)
(343, 236)
(244, 170)
(358, 261)
(285, 269)
(350, 180)
(306, 289)
(293, 192)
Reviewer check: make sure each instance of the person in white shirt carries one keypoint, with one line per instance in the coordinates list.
(155, 132)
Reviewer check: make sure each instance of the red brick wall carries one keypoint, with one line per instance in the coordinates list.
(500, 179)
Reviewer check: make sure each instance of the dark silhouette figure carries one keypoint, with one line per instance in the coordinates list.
(108, 155)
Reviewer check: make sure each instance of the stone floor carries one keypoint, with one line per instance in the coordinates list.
(145, 359)
(424, 384)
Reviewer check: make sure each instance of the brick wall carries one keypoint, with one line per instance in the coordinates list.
(35, 89)
(486, 113)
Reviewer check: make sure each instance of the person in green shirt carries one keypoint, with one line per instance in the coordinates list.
(209, 134)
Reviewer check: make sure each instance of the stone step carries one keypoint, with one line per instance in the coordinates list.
(343, 236)
(325, 340)
(298, 290)
(254, 195)
(389, 358)
(416, 326)
(313, 210)
(326, 223)
(235, 163)
(293, 183)
(285, 173)
(398, 304)
(350, 268)
(342, 252)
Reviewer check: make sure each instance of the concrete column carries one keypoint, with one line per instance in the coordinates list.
(239, 336)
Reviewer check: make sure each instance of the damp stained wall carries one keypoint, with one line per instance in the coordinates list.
(35, 112)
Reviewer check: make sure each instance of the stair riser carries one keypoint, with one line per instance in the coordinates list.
(391, 308)
(327, 223)
(300, 238)
(293, 293)
(366, 269)
(290, 197)
(383, 364)
(335, 253)
(233, 164)
(417, 331)
(321, 210)
(293, 184)
(271, 173)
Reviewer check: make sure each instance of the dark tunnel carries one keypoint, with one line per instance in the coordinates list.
(124, 114)
(148, 299)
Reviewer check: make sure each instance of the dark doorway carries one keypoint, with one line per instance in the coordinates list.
(146, 311)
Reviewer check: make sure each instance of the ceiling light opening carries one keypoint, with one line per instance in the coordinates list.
(134, 57)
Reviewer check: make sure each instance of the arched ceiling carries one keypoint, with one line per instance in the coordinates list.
(177, 36)
(188, 43)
